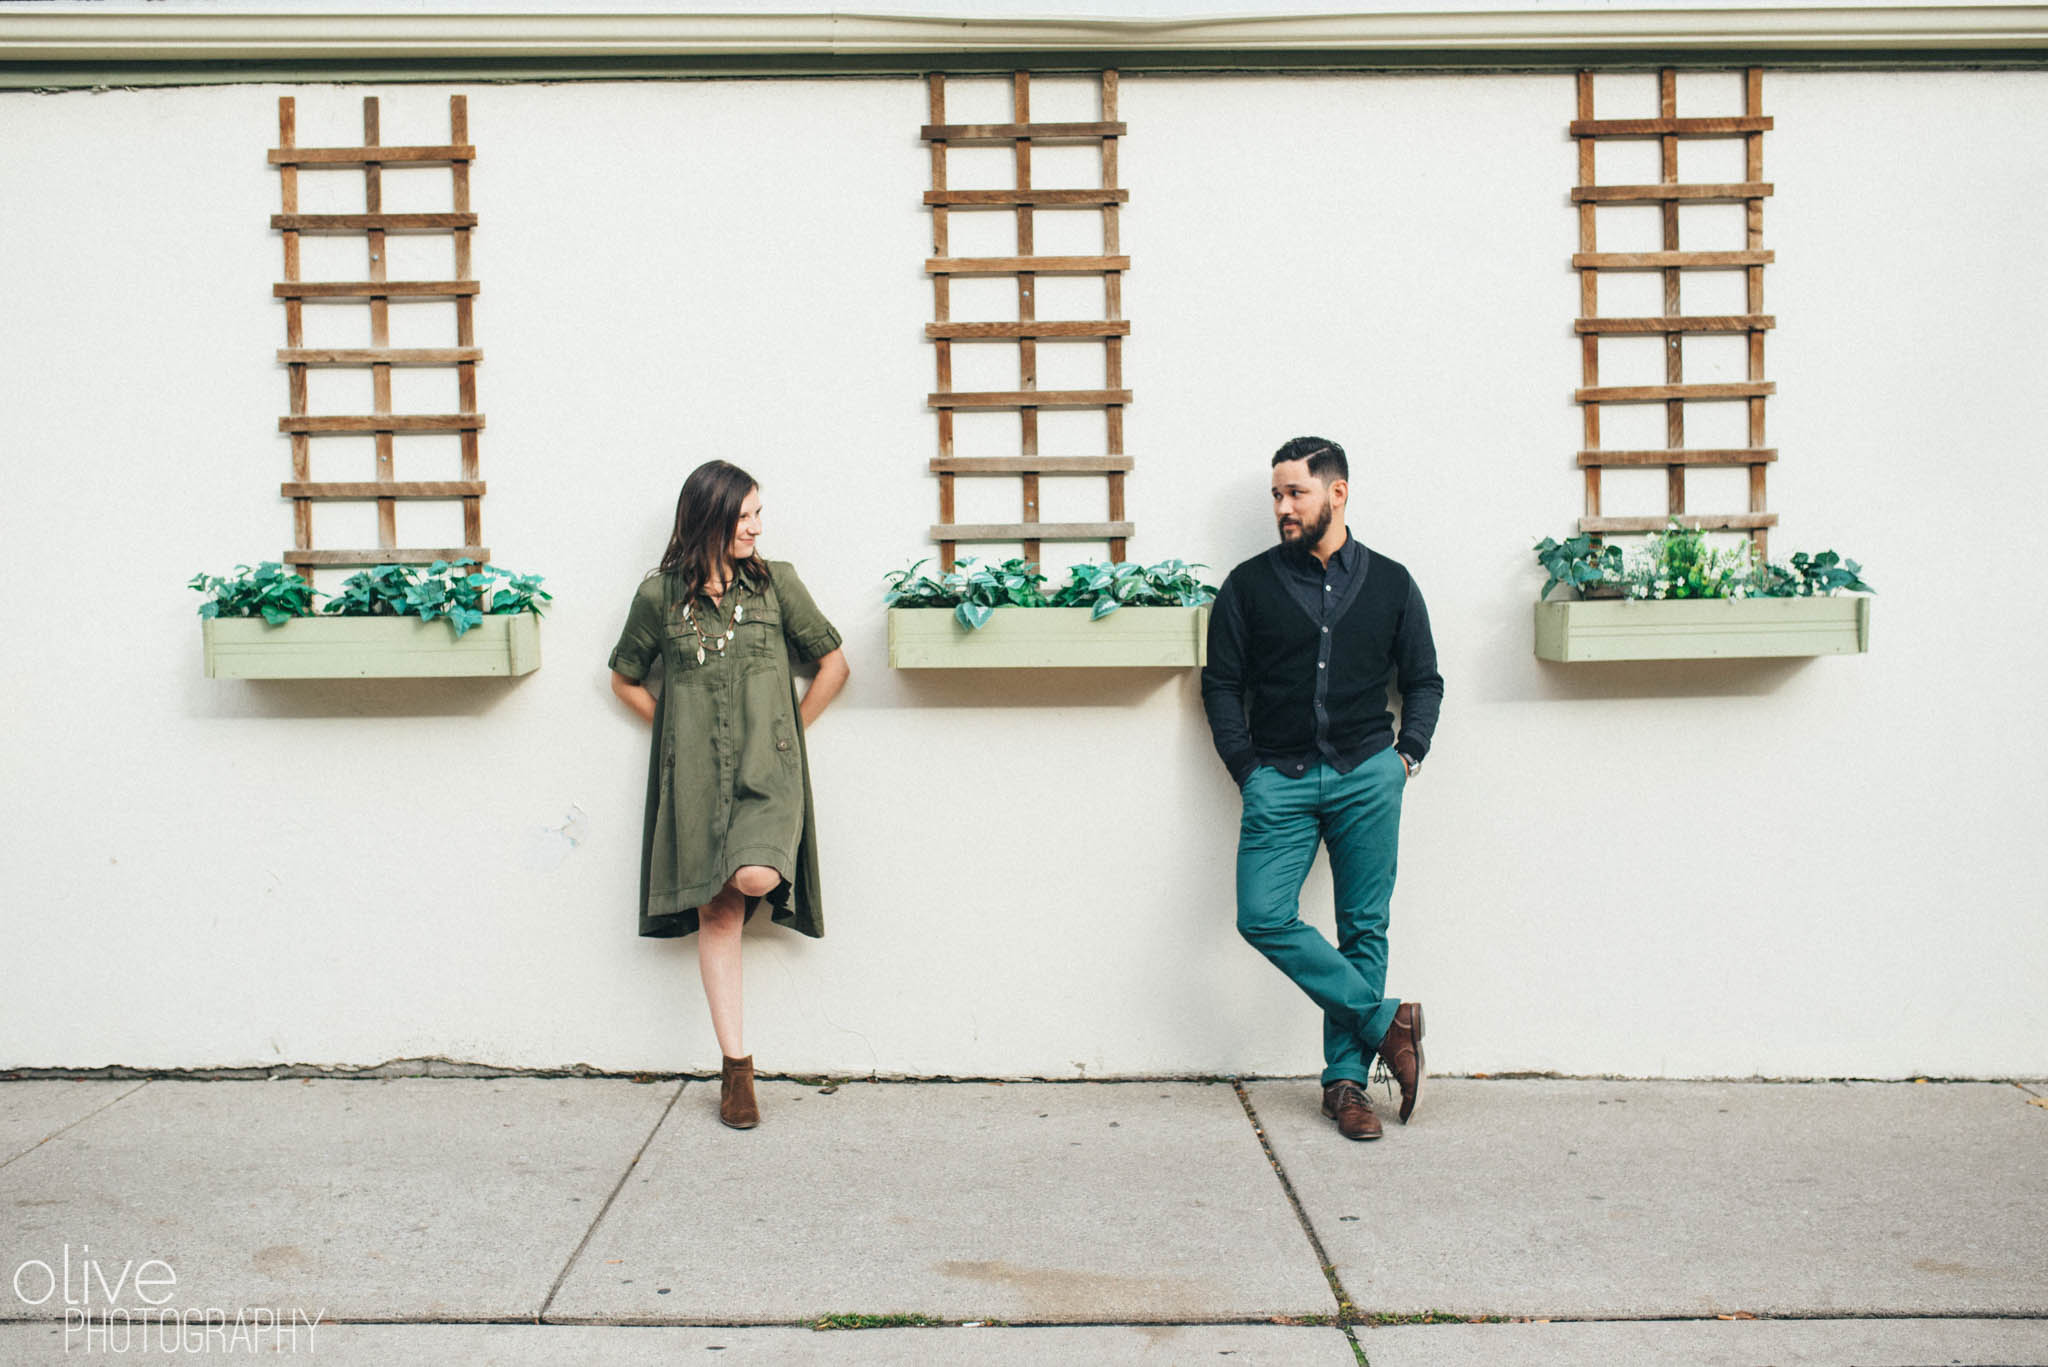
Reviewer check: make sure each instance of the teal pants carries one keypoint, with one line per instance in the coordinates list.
(1358, 815)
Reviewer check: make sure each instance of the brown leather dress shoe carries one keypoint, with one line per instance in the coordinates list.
(1344, 1102)
(1401, 1054)
(736, 1106)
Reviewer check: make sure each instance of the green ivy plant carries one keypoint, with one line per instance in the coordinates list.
(1821, 575)
(1577, 563)
(974, 590)
(378, 592)
(1107, 587)
(1680, 562)
(449, 590)
(269, 591)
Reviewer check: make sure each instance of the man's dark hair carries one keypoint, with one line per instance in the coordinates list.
(1325, 457)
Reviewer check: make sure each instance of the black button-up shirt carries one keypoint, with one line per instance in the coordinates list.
(1319, 587)
(1325, 592)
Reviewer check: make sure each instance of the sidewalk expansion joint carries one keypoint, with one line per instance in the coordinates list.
(1347, 1313)
(617, 1187)
(1396, 1320)
(442, 1068)
(828, 1324)
(112, 1101)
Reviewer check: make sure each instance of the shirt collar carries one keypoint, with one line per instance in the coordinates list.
(1347, 554)
(1345, 557)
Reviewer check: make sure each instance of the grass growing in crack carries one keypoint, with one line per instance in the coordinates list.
(1382, 1318)
(876, 1322)
(825, 1083)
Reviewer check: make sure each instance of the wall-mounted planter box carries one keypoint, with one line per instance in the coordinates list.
(1050, 638)
(369, 648)
(1701, 628)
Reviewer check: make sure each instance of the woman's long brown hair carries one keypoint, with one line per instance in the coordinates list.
(707, 514)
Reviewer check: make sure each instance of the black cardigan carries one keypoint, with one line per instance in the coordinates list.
(1261, 687)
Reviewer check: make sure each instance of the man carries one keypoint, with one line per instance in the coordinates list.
(1303, 641)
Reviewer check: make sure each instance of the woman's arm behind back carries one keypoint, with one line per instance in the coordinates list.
(833, 672)
(634, 695)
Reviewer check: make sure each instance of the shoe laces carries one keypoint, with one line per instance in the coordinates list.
(1381, 1073)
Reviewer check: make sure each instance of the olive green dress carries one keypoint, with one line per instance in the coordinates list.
(728, 781)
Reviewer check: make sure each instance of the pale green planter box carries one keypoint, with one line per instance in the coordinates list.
(369, 648)
(1050, 638)
(1701, 628)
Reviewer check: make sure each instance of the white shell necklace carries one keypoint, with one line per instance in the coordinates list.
(718, 640)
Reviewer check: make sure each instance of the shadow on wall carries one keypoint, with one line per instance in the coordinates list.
(1604, 681)
(984, 688)
(318, 699)
(1513, 673)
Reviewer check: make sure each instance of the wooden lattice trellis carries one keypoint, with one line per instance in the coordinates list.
(1668, 193)
(377, 291)
(1027, 332)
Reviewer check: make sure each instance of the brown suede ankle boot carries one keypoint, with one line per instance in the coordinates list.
(736, 1106)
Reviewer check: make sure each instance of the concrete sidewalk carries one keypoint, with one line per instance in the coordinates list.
(540, 1220)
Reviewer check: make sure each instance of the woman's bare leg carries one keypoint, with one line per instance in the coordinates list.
(719, 923)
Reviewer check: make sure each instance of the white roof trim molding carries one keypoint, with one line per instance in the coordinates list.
(114, 32)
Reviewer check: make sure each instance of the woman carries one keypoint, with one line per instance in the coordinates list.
(728, 784)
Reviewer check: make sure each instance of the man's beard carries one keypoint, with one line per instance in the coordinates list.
(1311, 532)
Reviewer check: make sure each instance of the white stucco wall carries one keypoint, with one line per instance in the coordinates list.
(1822, 867)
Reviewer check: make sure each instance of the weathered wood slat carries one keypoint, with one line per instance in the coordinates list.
(1711, 522)
(1024, 330)
(385, 422)
(1660, 261)
(389, 555)
(1010, 199)
(333, 356)
(1029, 465)
(1036, 531)
(1732, 455)
(371, 157)
(361, 223)
(1656, 194)
(1674, 127)
(1663, 393)
(992, 332)
(413, 488)
(1676, 457)
(969, 133)
(364, 289)
(358, 156)
(1035, 265)
(1030, 398)
(1734, 322)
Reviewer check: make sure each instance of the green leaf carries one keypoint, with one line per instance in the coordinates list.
(973, 616)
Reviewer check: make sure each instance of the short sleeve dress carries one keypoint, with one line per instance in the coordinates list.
(728, 779)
